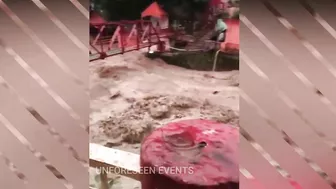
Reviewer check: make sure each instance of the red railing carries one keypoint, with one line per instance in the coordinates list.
(114, 38)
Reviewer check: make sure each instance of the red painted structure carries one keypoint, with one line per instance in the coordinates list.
(119, 37)
(112, 38)
(154, 10)
(194, 154)
(231, 43)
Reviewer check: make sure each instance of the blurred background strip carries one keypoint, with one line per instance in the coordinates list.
(43, 94)
(287, 104)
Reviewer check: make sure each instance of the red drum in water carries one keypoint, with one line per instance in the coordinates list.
(191, 154)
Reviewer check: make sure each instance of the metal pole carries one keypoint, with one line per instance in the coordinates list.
(215, 60)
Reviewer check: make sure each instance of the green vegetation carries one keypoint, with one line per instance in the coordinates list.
(131, 9)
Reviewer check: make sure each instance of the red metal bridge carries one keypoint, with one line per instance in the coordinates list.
(113, 38)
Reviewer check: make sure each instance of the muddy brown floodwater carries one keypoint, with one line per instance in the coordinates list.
(132, 95)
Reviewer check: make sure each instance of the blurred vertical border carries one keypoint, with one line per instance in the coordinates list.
(44, 100)
(287, 106)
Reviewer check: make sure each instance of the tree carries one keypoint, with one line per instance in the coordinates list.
(131, 9)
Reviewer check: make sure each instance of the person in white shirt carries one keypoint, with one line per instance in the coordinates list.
(220, 29)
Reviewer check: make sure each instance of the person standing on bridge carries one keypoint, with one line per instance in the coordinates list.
(220, 29)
